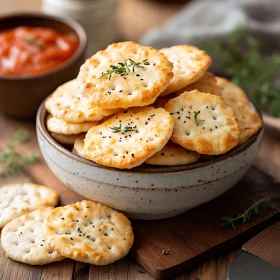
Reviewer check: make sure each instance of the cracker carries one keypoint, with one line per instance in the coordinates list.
(207, 83)
(203, 123)
(23, 239)
(60, 126)
(138, 88)
(89, 232)
(68, 104)
(189, 65)
(231, 91)
(64, 139)
(172, 155)
(249, 120)
(78, 148)
(151, 129)
(19, 199)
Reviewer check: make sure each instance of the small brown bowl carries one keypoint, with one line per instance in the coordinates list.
(20, 96)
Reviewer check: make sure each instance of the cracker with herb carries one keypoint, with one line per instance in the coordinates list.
(89, 232)
(125, 75)
(207, 83)
(172, 155)
(203, 123)
(19, 199)
(23, 239)
(189, 65)
(249, 120)
(60, 126)
(68, 104)
(127, 139)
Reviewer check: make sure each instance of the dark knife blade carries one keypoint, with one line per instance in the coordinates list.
(249, 267)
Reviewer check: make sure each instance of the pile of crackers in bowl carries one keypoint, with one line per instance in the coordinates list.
(133, 104)
(36, 233)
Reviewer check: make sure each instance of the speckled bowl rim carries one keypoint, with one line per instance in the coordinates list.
(79, 31)
(41, 128)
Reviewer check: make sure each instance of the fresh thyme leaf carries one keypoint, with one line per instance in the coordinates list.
(246, 216)
(123, 68)
(11, 161)
(117, 129)
(195, 115)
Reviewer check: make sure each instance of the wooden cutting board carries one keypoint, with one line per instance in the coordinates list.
(191, 238)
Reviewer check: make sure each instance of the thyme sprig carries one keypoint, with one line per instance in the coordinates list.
(123, 68)
(117, 129)
(247, 214)
(11, 161)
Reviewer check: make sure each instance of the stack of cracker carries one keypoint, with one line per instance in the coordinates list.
(36, 233)
(133, 104)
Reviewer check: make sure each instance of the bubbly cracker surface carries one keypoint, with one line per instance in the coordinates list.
(139, 87)
(203, 123)
(172, 155)
(207, 83)
(19, 199)
(127, 139)
(78, 148)
(23, 239)
(231, 91)
(68, 104)
(89, 232)
(249, 120)
(189, 65)
(60, 126)
(64, 139)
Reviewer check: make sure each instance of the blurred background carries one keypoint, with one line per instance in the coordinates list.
(243, 37)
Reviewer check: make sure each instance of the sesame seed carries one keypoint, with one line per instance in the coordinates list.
(179, 117)
(146, 123)
(71, 238)
(162, 154)
(137, 75)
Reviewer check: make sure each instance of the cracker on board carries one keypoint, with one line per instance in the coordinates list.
(60, 126)
(149, 74)
(189, 65)
(68, 104)
(23, 239)
(207, 83)
(19, 199)
(249, 120)
(64, 139)
(78, 148)
(203, 123)
(172, 155)
(89, 232)
(127, 139)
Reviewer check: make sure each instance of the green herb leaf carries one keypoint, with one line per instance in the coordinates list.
(247, 214)
(117, 129)
(123, 68)
(195, 115)
(11, 161)
(33, 41)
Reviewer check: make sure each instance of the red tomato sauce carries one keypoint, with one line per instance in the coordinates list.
(33, 50)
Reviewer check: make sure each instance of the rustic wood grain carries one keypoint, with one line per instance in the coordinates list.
(266, 245)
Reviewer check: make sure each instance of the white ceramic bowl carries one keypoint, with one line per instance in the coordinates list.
(147, 192)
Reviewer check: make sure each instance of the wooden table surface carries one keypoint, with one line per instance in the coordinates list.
(268, 160)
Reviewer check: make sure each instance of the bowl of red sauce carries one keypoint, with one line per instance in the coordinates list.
(38, 53)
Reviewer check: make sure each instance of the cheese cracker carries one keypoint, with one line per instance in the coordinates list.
(127, 139)
(203, 123)
(23, 239)
(89, 232)
(125, 75)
